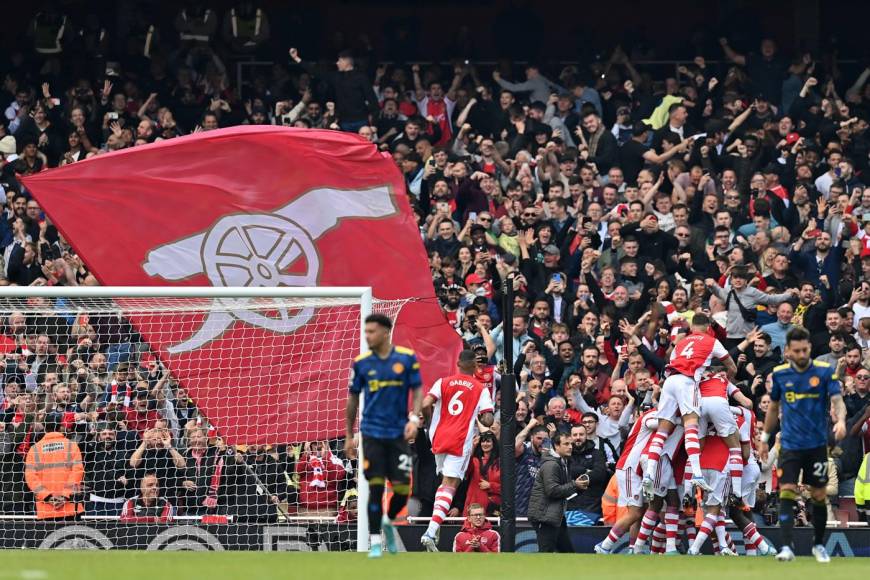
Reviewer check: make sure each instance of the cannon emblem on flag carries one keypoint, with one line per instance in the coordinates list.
(255, 250)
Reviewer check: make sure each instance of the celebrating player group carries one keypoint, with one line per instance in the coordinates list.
(695, 446)
(697, 441)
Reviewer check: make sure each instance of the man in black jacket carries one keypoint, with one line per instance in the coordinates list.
(23, 268)
(586, 465)
(355, 100)
(598, 145)
(108, 476)
(549, 498)
(257, 482)
(655, 244)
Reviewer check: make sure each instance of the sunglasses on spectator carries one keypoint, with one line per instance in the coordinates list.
(732, 197)
(862, 377)
(485, 219)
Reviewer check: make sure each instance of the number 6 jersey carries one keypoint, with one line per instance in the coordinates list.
(460, 399)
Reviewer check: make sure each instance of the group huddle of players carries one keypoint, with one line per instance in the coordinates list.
(693, 444)
(664, 455)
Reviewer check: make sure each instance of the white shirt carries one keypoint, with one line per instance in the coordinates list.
(860, 312)
(607, 427)
(823, 184)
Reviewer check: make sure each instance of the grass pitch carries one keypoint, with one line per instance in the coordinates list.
(132, 565)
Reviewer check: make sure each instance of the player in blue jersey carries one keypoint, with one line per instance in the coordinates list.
(384, 376)
(803, 389)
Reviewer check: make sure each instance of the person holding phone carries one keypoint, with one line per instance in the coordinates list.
(550, 495)
(587, 465)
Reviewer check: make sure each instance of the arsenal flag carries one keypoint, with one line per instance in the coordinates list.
(255, 206)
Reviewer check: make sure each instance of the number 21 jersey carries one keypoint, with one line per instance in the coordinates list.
(459, 401)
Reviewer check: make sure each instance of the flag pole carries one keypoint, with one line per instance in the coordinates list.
(508, 394)
(250, 471)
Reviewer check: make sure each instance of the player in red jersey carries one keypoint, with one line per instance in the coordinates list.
(714, 459)
(628, 479)
(455, 404)
(689, 359)
(664, 495)
(754, 542)
(715, 388)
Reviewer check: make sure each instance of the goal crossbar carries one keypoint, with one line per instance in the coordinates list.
(361, 292)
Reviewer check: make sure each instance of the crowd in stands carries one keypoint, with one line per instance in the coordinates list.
(620, 203)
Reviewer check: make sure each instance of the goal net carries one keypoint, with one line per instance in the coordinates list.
(179, 418)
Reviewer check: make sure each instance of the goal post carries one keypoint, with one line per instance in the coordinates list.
(196, 342)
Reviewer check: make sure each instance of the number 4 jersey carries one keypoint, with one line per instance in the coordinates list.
(459, 401)
(692, 355)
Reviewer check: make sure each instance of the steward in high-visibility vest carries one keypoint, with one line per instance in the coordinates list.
(862, 489)
(610, 510)
(245, 28)
(48, 30)
(54, 472)
(196, 27)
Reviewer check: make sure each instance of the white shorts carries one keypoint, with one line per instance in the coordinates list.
(679, 397)
(716, 410)
(663, 478)
(749, 482)
(720, 481)
(451, 465)
(629, 485)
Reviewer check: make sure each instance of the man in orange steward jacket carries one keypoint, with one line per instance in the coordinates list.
(54, 473)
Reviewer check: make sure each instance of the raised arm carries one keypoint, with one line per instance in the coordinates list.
(658, 159)
(627, 412)
(458, 75)
(732, 55)
(520, 440)
(136, 458)
(463, 115)
(855, 89)
(419, 92)
(741, 118)
(514, 87)
(488, 342)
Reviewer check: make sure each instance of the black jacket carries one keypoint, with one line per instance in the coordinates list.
(587, 460)
(104, 467)
(658, 245)
(19, 273)
(253, 486)
(352, 92)
(550, 491)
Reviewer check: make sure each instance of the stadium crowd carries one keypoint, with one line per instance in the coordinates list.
(620, 203)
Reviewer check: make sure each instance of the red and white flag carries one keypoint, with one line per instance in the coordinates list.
(255, 206)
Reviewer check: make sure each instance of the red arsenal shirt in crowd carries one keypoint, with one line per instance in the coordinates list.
(255, 206)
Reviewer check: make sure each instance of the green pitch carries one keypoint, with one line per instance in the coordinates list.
(63, 565)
